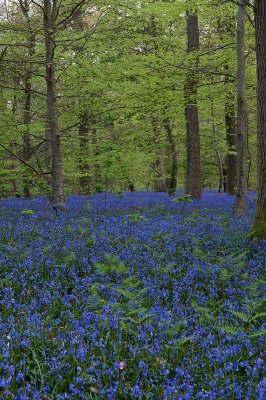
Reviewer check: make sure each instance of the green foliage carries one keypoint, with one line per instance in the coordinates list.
(27, 212)
(184, 198)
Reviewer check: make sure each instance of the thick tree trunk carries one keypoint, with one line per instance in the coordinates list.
(160, 183)
(241, 191)
(259, 223)
(193, 176)
(48, 154)
(231, 138)
(84, 167)
(50, 13)
(174, 155)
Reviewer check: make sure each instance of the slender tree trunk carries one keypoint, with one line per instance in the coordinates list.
(241, 191)
(259, 223)
(217, 151)
(84, 167)
(27, 116)
(50, 14)
(26, 154)
(231, 138)
(160, 182)
(97, 172)
(174, 155)
(193, 175)
(226, 26)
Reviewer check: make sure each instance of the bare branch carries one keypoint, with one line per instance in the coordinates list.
(20, 159)
(37, 4)
(71, 14)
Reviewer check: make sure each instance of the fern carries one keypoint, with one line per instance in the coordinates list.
(243, 317)
(257, 316)
(137, 311)
(258, 334)
(127, 293)
(232, 330)
(224, 275)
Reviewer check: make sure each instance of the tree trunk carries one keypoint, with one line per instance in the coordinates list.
(84, 167)
(26, 153)
(27, 116)
(259, 223)
(160, 184)
(174, 155)
(50, 13)
(241, 191)
(48, 154)
(193, 174)
(217, 151)
(99, 185)
(231, 138)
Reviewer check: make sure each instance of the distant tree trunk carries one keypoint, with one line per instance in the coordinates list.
(27, 116)
(217, 151)
(50, 14)
(160, 182)
(241, 191)
(26, 154)
(84, 167)
(97, 173)
(231, 138)
(174, 154)
(259, 223)
(193, 173)
(226, 26)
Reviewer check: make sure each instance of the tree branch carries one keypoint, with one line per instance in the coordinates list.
(71, 14)
(20, 159)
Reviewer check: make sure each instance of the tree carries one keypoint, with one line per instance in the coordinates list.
(24, 5)
(241, 191)
(50, 12)
(259, 223)
(193, 175)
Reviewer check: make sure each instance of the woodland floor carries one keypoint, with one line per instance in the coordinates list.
(134, 296)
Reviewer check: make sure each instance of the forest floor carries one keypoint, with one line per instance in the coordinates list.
(134, 296)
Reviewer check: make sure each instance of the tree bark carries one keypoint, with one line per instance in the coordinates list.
(231, 139)
(48, 154)
(174, 155)
(50, 14)
(27, 116)
(84, 167)
(26, 153)
(217, 151)
(259, 223)
(160, 184)
(193, 174)
(241, 191)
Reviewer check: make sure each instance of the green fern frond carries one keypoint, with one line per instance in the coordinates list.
(243, 317)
